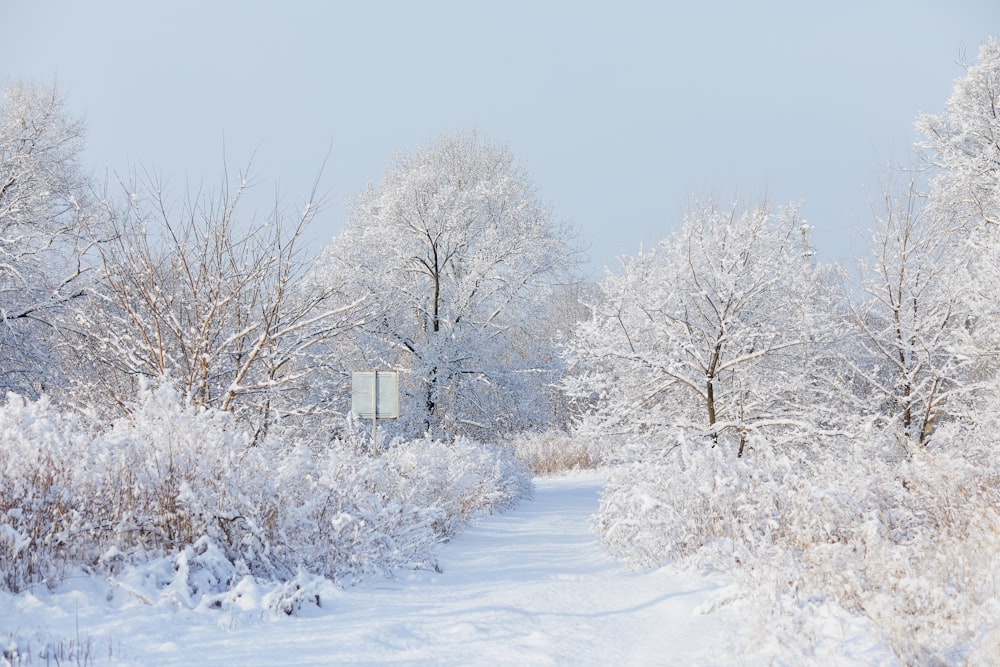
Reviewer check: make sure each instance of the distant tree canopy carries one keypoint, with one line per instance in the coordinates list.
(453, 271)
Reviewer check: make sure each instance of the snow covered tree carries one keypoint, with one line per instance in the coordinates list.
(459, 257)
(914, 319)
(42, 199)
(951, 330)
(962, 145)
(705, 331)
(207, 297)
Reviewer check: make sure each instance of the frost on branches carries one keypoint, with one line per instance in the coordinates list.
(962, 145)
(43, 199)
(915, 356)
(201, 294)
(706, 331)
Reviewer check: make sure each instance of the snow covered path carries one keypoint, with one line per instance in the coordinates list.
(529, 587)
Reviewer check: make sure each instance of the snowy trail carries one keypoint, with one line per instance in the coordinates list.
(529, 587)
(532, 587)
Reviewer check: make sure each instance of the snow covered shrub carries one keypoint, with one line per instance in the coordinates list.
(172, 473)
(900, 547)
(911, 546)
(174, 503)
(684, 496)
(39, 454)
(462, 478)
(329, 517)
(160, 480)
(276, 509)
(341, 516)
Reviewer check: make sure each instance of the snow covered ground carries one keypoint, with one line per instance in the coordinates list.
(529, 587)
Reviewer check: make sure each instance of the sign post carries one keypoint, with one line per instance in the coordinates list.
(375, 395)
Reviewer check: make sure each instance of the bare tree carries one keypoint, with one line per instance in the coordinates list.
(208, 298)
(913, 320)
(933, 270)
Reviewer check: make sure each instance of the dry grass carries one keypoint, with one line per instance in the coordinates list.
(552, 452)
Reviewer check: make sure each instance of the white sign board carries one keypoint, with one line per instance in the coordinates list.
(375, 394)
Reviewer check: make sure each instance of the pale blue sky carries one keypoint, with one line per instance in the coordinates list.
(620, 111)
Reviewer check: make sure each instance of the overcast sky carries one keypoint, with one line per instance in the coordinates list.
(621, 112)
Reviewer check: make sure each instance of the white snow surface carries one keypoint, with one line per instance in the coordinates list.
(528, 587)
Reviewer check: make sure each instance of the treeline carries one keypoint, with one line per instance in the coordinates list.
(828, 438)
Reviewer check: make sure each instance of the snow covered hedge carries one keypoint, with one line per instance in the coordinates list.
(901, 548)
(181, 486)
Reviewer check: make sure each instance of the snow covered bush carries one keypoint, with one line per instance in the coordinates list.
(174, 500)
(172, 473)
(901, 546)
(461, 478)
(154, 482)
(38, 456)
